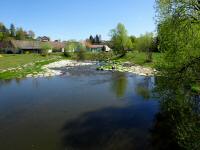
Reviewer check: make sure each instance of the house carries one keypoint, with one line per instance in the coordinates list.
(57, 46)
(99, 48)
(43, 39)
(18, 46)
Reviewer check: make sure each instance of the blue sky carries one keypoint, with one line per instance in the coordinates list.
(77, 19)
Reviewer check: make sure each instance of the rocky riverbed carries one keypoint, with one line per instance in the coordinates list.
(60, 68)
(64, 67)
(128, 67)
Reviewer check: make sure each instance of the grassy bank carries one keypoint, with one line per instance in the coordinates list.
(15, 60)
(140, 58)
(18, 66)
(134, 57)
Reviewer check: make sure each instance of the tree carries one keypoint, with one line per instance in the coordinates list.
(179, 36)
(4, 32)
(12, 30)
(1, 36)
(70, 47)
(81, 52)
(91, 39)
(45, 46)
(145, 44)
(20, 34)
(179, 41)
(97, 39)
(120, 39)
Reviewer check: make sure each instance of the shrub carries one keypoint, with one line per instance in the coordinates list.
(81, 53)
(67, 53)
(45, 48)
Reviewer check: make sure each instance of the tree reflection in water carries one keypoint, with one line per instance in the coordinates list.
(177, 125)
(144, 88)
(119, 84)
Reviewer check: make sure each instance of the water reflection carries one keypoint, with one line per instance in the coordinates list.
(75, 112)
(109, 129)
(119, 84)
(144, 88)
(177, 125)
(90, 117)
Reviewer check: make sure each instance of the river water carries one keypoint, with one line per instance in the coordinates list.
(77, 111)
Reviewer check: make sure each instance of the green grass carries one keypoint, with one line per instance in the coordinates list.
(196, 88)
(19, 60)
(140, 58)
(14, 61)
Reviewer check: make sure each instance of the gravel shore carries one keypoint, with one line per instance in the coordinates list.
(59, 68)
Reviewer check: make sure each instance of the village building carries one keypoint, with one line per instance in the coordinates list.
(22, 47)
(99, 48)
(43, 39)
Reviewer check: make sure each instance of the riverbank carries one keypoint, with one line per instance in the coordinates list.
(128, 67)
(60, 68)
(34, 65)
(19, 66)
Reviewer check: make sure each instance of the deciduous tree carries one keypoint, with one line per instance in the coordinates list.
(120, 39)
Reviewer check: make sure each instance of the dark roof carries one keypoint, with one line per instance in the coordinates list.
(43, 38)
(26, 44)
(35, 44)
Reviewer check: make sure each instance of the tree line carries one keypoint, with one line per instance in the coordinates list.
(121, 42)
(15, 33)
(95, 39)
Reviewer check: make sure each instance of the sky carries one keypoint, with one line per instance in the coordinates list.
(78, 19)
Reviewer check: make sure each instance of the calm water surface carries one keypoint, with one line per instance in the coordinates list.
(77, 111)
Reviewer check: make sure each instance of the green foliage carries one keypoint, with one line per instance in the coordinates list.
(1, 36)
(81, 53)
(133, 40)
(45, 48)
(179, 40)
(13, 33)
(20, 34)
(69, 47)
(179, 35)
(67, 53)
(4, 32)
(144, 42)
(120, 40)
(102, 56)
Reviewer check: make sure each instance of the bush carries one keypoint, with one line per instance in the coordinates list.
(27, 52)
(67, 53)
(45, 48)
(81, 53)
(101, 56)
